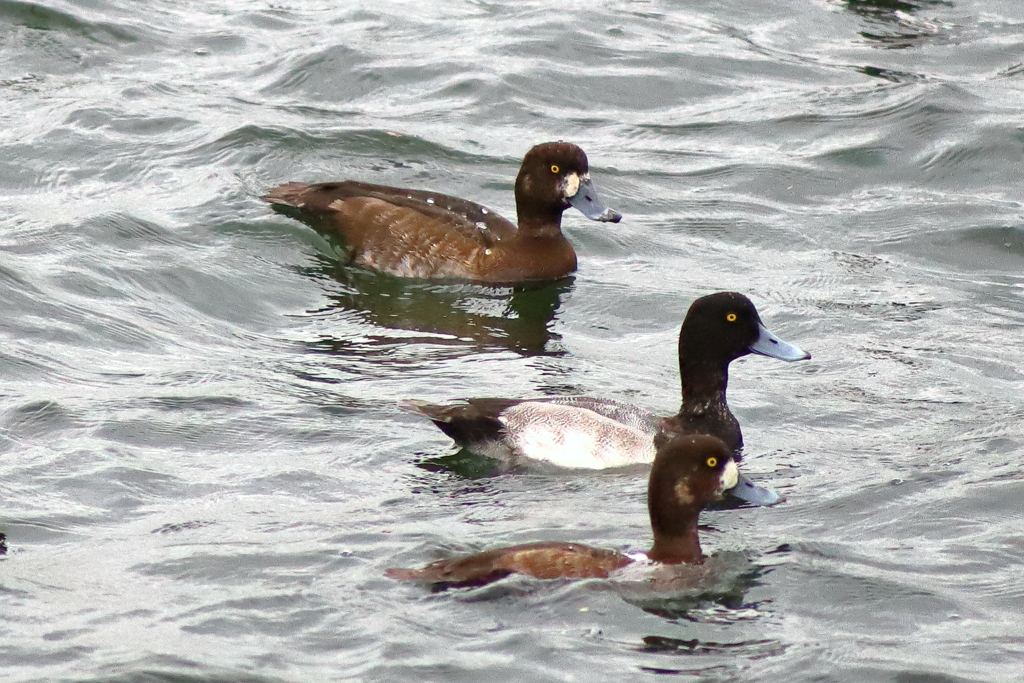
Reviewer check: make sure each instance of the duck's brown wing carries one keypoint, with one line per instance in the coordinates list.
(549, 560)
(563, 560)
(402, 231)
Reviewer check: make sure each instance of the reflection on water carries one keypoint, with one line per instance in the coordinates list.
(517, 317)
(892, 24)
(892, 6)
(702, 650)
(463, 490)
(663, 644)
(463, 463)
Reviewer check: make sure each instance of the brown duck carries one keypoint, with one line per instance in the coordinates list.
(689, 473)
(420, 234)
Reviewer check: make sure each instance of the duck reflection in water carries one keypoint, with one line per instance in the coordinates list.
(518, 317)
(751, 649)
(891, 24)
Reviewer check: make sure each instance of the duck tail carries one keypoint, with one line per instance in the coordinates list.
(465, 423)
(289, 194)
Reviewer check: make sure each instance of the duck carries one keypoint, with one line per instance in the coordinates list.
(688, 473)
(579, 432)
(426, 235)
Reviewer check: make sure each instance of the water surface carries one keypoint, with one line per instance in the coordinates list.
(203, 470)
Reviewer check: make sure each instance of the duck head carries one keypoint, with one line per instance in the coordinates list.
(689, 473)
(555, 176)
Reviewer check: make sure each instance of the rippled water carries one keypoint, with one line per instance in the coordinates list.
(202, 468)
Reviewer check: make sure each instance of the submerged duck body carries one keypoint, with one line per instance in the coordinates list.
(592, 433)
(688, 474)
(420, 234)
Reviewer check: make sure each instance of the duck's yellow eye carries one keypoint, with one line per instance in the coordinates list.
(731, 317)
(712, 462)
(554, 168)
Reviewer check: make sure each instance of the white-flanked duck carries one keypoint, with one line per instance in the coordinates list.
(592, 433)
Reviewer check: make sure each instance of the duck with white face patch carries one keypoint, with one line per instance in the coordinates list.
(688, 474)
(417, 234)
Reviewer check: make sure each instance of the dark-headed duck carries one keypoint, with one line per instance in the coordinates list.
(414, 233)
(688, 474)
(592, 433)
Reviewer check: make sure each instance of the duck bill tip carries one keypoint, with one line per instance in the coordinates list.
(751, 493)
(767, 344)
(586, 201)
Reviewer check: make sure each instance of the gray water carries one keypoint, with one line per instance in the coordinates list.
(203, 470)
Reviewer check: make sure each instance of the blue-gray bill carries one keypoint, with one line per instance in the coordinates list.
(586, 201)
(749, 492)
(767, 344)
